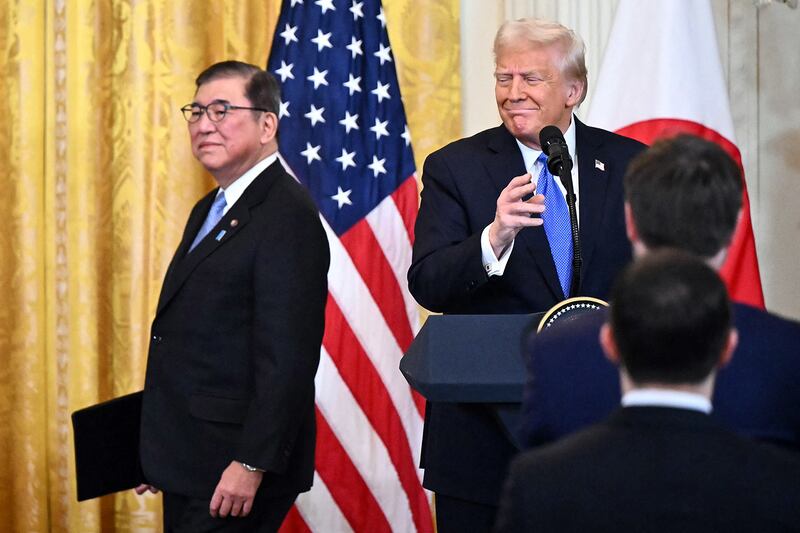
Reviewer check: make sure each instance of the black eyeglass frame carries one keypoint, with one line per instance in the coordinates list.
(193, 112)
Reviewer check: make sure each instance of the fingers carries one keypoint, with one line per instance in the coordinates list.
(224, 505)
(216, 502)
(233, 495)
(241, 507)
(518, 213)
(230, 506)
(518, 198)
(247, 507)
(516, 208)
(141, 489)
(532, 206)
(516, 189)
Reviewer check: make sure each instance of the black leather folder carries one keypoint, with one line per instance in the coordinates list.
(107, 446)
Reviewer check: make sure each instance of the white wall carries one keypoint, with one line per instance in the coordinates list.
(758, 45)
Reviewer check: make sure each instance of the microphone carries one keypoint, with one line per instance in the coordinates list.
(555, 148)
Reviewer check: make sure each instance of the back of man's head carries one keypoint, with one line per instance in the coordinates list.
(686, 193)
(670, 318)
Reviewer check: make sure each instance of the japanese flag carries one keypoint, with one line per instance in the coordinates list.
(661, 76)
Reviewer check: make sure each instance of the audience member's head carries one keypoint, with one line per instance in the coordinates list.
(686, 193)
(670, 322)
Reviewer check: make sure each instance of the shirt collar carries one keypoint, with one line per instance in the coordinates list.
(666, 398)
(235, 190)
(529, 155)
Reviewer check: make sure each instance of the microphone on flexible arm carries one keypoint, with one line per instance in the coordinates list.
(559, 163)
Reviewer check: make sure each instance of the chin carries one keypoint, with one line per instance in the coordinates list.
(209, 163)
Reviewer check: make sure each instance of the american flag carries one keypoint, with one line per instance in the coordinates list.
(343, 134)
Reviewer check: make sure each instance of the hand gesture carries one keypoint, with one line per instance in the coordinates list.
(513, 213)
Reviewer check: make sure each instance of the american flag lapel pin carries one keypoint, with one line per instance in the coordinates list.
(599, 165)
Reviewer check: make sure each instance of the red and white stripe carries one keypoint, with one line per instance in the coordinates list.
(369, 422)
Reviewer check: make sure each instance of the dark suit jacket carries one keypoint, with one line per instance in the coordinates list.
(235, 345)
(652, 469)
(464, 454)
(570, 384)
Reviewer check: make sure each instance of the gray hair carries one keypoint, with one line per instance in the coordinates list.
(261, 88)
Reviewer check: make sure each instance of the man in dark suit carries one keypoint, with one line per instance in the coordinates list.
(482, 247)
(228, 428)
(660, 462)
(684, 193)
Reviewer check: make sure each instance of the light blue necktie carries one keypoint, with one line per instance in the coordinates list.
(556, 224)
(214, 216)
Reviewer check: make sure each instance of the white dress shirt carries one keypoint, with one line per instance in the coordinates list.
(666, 398)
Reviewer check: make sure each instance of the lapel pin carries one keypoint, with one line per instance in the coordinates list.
(599, 165)
(234, 223)
(220, 235)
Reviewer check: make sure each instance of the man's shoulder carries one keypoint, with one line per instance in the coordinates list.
(764, 334)
(654, 425)
(603, 137)
(476, 143)
(568, 451)
(289, 191)
(752, 318)
(276, 196)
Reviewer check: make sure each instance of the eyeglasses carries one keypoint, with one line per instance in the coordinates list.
(216, 111)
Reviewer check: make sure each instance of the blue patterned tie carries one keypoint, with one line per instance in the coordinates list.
(556, 224)
(214, 215)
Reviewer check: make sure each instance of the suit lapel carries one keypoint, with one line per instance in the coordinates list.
(196, 219)
(594, 168)
(504, 163)
(226, 229)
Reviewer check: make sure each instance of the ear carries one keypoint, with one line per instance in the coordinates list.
(574, 91)
(730, 347)
(630, 225)
(609, 344)
(269, 127)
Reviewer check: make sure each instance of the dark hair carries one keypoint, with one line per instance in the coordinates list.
(686, 193)
(671, 317)
(262, 88)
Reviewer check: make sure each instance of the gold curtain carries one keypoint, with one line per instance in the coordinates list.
(97, 182)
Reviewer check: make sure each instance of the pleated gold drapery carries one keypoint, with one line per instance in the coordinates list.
(97, 181)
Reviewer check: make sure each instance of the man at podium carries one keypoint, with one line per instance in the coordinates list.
(485, 244)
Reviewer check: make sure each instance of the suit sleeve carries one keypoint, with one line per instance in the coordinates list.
(289, 294)
(446, 266)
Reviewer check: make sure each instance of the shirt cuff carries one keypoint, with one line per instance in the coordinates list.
(493, 265)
